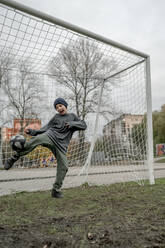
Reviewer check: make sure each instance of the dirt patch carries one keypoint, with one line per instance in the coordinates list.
(118, 216)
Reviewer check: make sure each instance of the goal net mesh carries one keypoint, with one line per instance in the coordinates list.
(103, 84)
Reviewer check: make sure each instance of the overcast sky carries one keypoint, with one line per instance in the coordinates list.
(138, 24)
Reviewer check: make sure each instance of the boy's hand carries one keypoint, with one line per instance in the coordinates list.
(31, 132)
(67, 125)
(28, 130)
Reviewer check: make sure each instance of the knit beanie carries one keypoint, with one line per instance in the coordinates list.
(60, 101)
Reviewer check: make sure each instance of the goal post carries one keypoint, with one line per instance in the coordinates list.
(150, 158)
(105, 83)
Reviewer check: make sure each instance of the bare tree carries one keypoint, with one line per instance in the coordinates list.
(24, 93)
(20, 90)
(82, 69)
(6, 63)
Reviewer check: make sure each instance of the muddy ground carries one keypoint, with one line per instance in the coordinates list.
(117, 216)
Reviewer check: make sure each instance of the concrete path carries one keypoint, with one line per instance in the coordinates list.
(18, 180)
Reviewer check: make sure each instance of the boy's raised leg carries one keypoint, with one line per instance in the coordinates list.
(41, 139)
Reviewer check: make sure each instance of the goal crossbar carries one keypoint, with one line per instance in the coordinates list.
(70, 26)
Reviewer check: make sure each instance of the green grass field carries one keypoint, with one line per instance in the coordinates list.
(117, 216)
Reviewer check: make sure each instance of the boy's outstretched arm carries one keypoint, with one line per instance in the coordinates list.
(33, 132)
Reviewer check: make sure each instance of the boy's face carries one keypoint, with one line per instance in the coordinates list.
(61, 109)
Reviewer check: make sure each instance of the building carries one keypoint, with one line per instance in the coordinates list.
(20, 125)
(117, 134)
(122, 125)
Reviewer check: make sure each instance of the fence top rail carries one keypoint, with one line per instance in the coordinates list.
(56, 21)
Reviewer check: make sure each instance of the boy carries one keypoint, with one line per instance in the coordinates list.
(56, 136)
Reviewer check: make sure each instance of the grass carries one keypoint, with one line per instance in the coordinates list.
(161, 160)
(117, 216)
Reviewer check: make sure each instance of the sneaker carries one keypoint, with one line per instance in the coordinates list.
(10, 162)
(56, 194)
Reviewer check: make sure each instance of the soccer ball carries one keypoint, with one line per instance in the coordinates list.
(17, 142)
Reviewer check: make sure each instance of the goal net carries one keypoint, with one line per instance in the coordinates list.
(105, 83)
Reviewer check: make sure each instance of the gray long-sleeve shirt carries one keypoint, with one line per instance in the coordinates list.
(59, 133)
